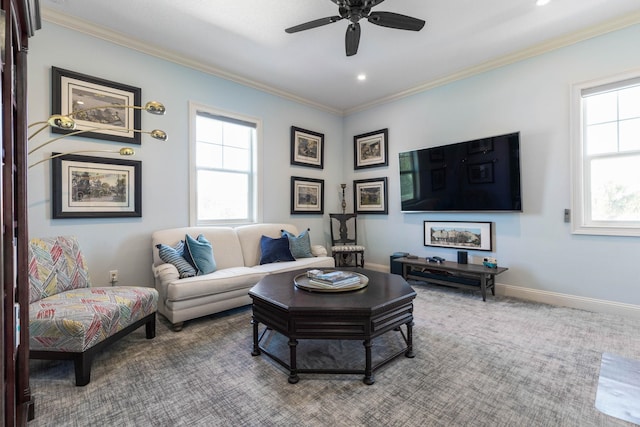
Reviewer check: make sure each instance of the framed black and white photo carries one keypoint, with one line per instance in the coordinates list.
(307, 195)
(96, 104)
(370, 196)
(96, 187)
(459, 235)
(371, 149)
(307, 148)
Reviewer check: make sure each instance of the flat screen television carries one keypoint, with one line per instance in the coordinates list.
(471, 176)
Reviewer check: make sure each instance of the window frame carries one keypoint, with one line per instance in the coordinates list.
(581, 222)
(255, 216)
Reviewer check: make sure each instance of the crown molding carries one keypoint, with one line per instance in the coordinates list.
(94, 30)
(536, 50)
(103, 33)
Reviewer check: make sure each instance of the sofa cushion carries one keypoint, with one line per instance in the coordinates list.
(200, 254)
(249, 239)
(274, 250)
(300, 264)
(300, 245)
(175, 255)
(218, 282)
(224, 240)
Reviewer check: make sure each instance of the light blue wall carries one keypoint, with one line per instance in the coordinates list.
(531, 97)
(125, 243)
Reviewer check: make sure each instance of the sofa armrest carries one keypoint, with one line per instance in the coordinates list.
(318, 250)
(165, 273)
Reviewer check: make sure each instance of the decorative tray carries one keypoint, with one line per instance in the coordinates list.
(302, 281)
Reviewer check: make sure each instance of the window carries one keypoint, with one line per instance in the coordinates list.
(606, 158)
(224, 185)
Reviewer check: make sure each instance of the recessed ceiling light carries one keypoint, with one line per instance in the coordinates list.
(542, 2)
(362, 77)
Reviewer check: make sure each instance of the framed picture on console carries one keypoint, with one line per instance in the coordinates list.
(96, 104)
(371, 149)
(476, 236)
(307, 195)
(370, 196)
(307, 148)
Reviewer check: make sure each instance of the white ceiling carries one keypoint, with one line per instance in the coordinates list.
(244, 40)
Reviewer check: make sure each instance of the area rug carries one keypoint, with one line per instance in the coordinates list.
(503, 362)
(619, 388)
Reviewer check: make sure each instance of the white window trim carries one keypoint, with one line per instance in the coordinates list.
(578, 187)
(194, 108)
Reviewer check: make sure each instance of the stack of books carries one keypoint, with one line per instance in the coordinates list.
(333, 279)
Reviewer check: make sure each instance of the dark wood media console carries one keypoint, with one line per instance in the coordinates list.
(448, 273)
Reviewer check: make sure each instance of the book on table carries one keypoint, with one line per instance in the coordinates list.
(334, 278)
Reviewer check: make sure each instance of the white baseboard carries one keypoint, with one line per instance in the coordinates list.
(555, 298)
(566, 300)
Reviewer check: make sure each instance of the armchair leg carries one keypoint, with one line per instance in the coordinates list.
(150, 328)
(82, 365)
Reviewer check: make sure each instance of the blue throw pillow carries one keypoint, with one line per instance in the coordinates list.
(201, 253)
(274, 250)
(175, 255)
(300, 246)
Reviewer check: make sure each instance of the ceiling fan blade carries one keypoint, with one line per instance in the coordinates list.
(363, 3)
(395, 20)
(352, 39)
(313, 24)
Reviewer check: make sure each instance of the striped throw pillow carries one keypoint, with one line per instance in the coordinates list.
(173, 255)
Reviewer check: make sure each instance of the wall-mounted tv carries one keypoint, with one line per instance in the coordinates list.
(478, 175)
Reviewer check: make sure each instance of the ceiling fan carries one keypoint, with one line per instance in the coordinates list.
(354, 11)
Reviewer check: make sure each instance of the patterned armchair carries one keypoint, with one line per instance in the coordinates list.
(68, 319)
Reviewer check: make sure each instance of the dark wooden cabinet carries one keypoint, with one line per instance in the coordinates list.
(20, 19)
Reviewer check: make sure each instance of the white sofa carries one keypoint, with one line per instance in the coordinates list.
(236, 251)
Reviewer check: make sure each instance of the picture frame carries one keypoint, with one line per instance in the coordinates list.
(480, 173)
(370, 196)
(95, 187)
(371, 149)
(472, 235)
(307, 195)
(72, 91)
(307, 148)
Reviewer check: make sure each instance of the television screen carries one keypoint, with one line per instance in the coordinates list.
(478, 175)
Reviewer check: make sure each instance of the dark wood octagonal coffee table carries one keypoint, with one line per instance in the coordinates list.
(385, 304)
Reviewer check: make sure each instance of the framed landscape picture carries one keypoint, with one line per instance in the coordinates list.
(370, 196)
(458, 235)
(307, 195)
(98, 104)
(96, 187)
(371, 149)
(307, 148)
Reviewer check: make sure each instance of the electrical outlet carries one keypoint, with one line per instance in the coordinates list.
(113, 276)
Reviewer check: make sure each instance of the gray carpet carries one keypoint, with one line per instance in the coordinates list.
(503, 362)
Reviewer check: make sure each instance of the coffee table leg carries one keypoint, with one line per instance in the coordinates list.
(293, 366)
(409, 353)
(256, 345)
(368, 370)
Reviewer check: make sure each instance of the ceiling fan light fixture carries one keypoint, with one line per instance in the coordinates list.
(354, 11)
